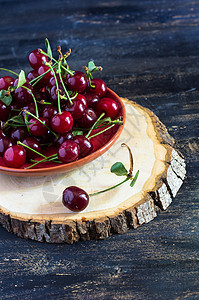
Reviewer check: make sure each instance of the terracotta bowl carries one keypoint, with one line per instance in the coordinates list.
(101, 144)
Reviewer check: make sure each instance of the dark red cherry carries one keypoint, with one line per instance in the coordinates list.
(5, 143)
(48, 111)
(36, 59)
(75, 198)
(30, 108)
(34, 144)
(5, 82)
(4, 111)
(109, 106)
(37, 128)
(62, 138)
(23, 96)
(32, 75)
(88, 118)
(68, 151)
(92, 100)
(82, 98)
(77, 82)
(45, 79)
(15, 156)
(2, 134)
(76, 109)
(53, 94)
(19, 133)
(46, 139)
(85, 146)
(62, 123)
(52, 81)
(100, 87)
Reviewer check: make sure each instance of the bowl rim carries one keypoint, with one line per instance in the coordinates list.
(72, 165)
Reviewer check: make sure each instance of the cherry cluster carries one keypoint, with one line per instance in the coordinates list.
(52, 106)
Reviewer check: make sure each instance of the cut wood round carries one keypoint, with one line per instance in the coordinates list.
(31, 207)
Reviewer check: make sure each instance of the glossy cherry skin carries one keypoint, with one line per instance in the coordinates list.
(75, 198)
(36, 59)
(52, 81)
(46, 139)
(62, 123)
(19, 134)
(92, 100)
(76, 109)
(37, 128)
(45, 79)
(2, 134)
(5, 82)
(53, 94)
(48, 111)
(82, 98)
(15, 156)
(100, 88)
(62, 138)
(30, 108)
(85, 146)
(23, 96)
(77, 82)
(4, 111)
(34, 144)
(32, 75)
(5, 143)
(88, 118)
(109, 106)
(68, 151)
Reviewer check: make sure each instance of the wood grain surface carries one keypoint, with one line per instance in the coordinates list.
(150, 54)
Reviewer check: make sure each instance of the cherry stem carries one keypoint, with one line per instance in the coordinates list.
(35, 101)
(98, 133)
(29, 113)
(93, 127)
(20, 143)
(7, 70)
(38, 78)
(65, 90)
(110, 188)
(42, 160)
(130, 157)
(57, 86)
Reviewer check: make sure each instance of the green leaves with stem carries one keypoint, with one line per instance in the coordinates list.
(119, 169)
(48, 48)
(21, 79)
(6, 97)
(91, 68)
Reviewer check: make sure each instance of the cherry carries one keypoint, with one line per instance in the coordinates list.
(5, 82)
(19, 133)
(30, 108)
(5, 143)
(99, 89)
(22, 95)
(62, 138)
(68, 151)
(2, 134)
(85, 145)
(15, 156)
(4, 111)
(88, 118)
(62, 122)
(109, 106)
(92, 100)
(32, 75)
(46, 139)
(76, 109)
(53, 94)
(52, 81)
(37, 128)
(77, 82)
(75, 198)
(34, 144)
(82, 98)
(48, 111)
(45, 79)
(37, 59)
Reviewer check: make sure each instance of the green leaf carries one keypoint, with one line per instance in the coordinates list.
(91, 66)
(119, 169)
(5, 97)
(17, 120)
(77, 132)
(22, 79)
(48, 47)
(134, 179)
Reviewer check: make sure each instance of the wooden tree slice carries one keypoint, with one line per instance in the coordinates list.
(32, 207)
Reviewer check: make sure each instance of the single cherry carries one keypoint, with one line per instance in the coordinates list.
(99, 89)
(75, 199)
(15, 156)
(77, 82)
(45, 79)
(62, 122)
(52, 81)
(19, 133)
(34, 144)
(88, 118)
(82, 98)
(92, 100)
(5, 82)
(48, 111)
(37, 59)
(68, 151)
(109, 106)
(76, 109)
(85, 145)
(4, 111)
(37, 128)
(32, 75)
(5, 143)
(62, 138)
(23, 96)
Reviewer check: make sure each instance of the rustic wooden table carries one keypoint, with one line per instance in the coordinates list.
(150, 54)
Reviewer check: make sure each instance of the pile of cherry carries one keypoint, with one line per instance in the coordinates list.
(52, 105)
